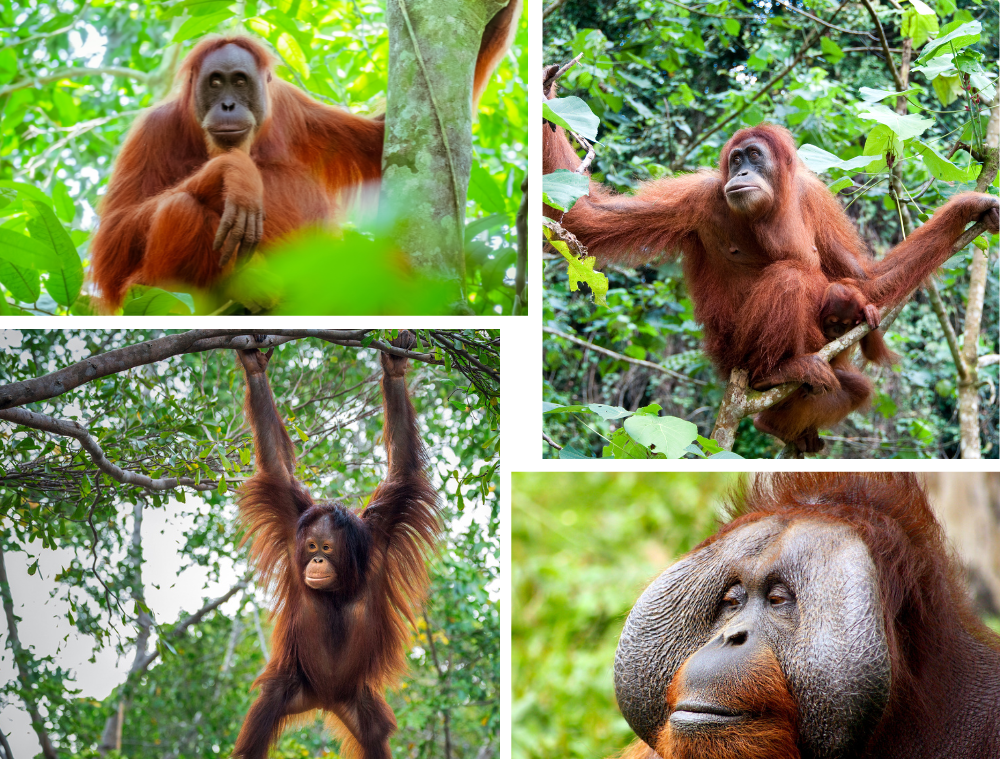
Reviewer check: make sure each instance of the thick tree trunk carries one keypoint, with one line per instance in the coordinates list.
(433, 45)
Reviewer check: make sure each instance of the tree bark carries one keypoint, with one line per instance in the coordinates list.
(433, 46)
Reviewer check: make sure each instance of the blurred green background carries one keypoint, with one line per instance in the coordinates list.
(585, 545)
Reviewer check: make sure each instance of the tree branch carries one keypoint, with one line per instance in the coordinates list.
(73, 73)
(741, 401)
(621, 357)
(194, 341)
(900, 86)
(75, 430)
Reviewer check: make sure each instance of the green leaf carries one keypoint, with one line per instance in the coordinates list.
(944, 169)
(947, 88)
(223, 485)
(609, 412)
(819, 160)
(903, 126)
(562, 188)
(919, 23)
(662, 434)
(831, 49)
(196, 26)
(582, 270)
(549, 408)
(870, 95)
(290, 50)
(24, 283)
(725, 455)
(573, 114)
(569, 452)
(486, 190)
(22, 250)
(152, 301)
(965, 35)
(64, 282)
(732, 27)
(880, 141)
(840, 184)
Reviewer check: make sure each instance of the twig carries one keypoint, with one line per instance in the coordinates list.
(552, 8)
(521, 268)
(74, 72)
(75, 430)
(551, 442)
(621, 357)
(827, 24)
(900, 86)
(560, 232)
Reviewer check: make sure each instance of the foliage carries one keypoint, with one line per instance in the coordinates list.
(75, 73)
(670, 83)
(183, 417)
(583, 548)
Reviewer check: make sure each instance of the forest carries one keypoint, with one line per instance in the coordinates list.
(134, 626)
(76, 74)
(892, 104)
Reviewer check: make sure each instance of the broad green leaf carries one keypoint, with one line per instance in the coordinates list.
(947, 88)
(555, 408)
(965, 35)
(919, 25)
(944, 169)
(155, 302)
(64, 282)
(292, 53)
(196, 26)
(23, 282)
(562, 188)
(732, 26)
(942, 64)
(573, 114)
(609, 412)
(840, 184)
(819, 160)
(903, 126)
(662, 434)
(569, 452)
(831, 49)
(24, 251)
(725, 455)
(882, 140)
(870, 95)
(483, 186)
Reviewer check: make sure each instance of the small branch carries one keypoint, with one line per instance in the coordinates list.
(620, 357)
(550, 80)
(988, 360)
(23, 675)
(73, 73)
(900, 86)
(700, 12)
(194, 341)
(949, 331)
(564, 235)
(741, 401)
(551, 442)
(182, 626)
(75, 430)
(820, 21)
(553, 8)
(806, 44)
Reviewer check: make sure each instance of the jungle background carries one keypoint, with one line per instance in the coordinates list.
(74, 74)
(132, 600)
(671, 81)
(585, 546)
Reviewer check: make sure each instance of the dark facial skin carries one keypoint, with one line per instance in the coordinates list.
(751, 170)
(230, 97)
(322, 549)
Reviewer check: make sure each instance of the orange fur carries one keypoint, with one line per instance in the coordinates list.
(757, 281)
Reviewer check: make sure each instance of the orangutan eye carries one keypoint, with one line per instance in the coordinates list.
(326, 547)
(311, 546)
(753, 153)
(733, 597)
(215, 81)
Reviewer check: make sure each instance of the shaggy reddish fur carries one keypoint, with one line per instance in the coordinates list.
(336, 651)
(757, 282)
(166, 194)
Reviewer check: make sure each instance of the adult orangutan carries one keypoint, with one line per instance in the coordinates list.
(238, 158)
(345, 582)
(761, 239)
(826, 620)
